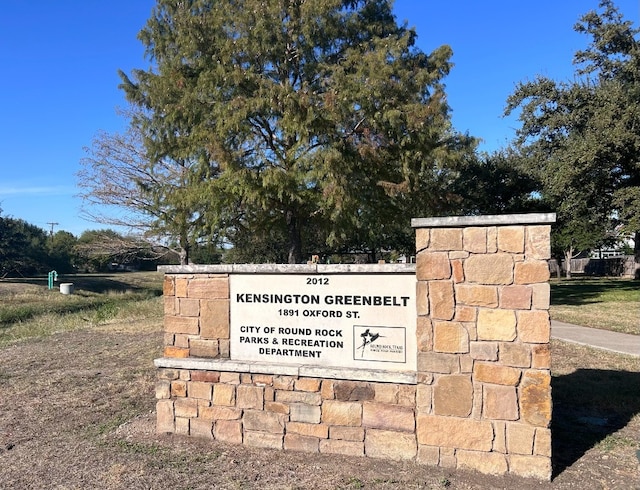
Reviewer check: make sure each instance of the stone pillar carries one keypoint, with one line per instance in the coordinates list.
(484, 385)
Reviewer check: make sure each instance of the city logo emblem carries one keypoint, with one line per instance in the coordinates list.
(367, 338)
(379, 343)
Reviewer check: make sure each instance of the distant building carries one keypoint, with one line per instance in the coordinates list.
(624, 244)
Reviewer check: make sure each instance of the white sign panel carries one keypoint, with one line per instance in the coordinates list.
(361, 321)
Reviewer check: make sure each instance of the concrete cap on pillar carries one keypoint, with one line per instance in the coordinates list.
(485, 220)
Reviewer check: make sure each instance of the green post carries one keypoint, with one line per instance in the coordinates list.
(52, 276)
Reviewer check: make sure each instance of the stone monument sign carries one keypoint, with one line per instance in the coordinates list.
(445, 362)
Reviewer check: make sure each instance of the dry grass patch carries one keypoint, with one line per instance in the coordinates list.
(29, 310)
(596, 409)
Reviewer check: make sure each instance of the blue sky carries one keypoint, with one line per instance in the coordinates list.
(59, 83)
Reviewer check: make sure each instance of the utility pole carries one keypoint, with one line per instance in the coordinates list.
(52, 225)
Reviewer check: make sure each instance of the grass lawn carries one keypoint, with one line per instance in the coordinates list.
(29, 310)
(610, 304)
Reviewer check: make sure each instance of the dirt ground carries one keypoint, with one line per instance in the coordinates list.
(77, 412)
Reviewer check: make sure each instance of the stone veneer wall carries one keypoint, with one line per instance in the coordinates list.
(480, 398)
(483, 340)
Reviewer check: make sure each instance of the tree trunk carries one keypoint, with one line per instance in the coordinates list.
(184, 250)
(294, 238)
(636, 253)
(372, 256)
(568, 254)
(558, 268)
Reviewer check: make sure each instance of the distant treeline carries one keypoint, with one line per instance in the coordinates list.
(27, 250)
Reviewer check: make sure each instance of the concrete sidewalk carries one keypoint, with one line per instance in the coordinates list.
(621, 343)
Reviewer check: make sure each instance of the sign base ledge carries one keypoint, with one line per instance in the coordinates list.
(300, 370)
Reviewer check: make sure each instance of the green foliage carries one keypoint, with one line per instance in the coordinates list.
(23, 248)
(63, 257)
(27, 250)
(206, 253)
(497, 184)
(580, 139)
(91, 260)
(319, 124)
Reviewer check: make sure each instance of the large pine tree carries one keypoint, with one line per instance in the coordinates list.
(315, 121)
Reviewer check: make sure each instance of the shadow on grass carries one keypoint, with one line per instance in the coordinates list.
(99, 283)
(583, 291)
(588, 406)
(110, 282)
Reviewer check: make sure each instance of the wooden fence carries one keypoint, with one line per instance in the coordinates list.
(612, 266)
